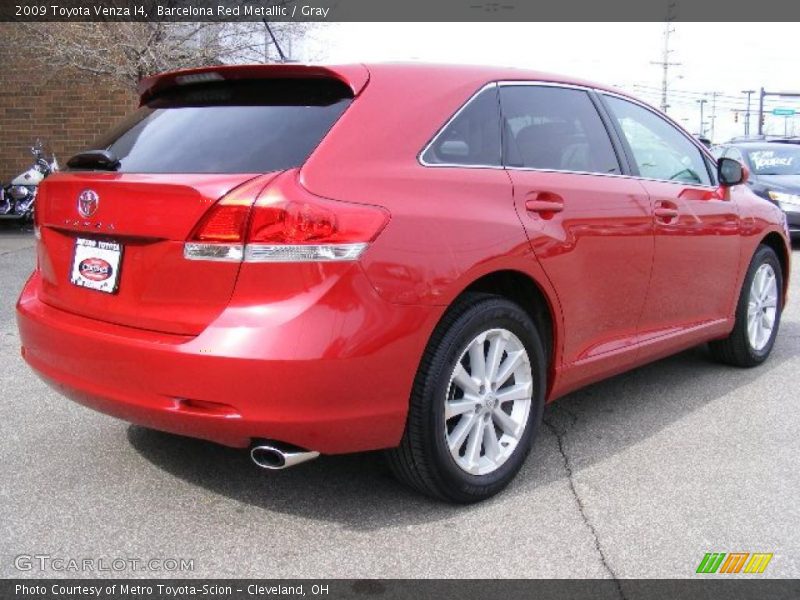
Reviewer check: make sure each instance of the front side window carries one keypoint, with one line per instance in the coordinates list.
(553, 128)
(659, 150)
(472, 138)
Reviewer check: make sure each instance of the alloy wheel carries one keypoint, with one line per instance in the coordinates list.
(762, 307)
(488, 401)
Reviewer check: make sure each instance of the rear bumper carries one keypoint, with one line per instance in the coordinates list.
(331, 372)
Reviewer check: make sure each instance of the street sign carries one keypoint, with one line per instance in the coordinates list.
(783, 112)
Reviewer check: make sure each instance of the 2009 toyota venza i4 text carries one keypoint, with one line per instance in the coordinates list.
(307, 260)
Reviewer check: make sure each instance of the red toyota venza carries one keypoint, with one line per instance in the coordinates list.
(307, 260)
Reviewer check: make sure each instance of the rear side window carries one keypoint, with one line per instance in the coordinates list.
(553, 128)
(229, 127)
(472, 137)
(660, 150)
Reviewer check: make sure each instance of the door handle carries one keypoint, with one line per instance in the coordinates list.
(544, 202)
(665, 211)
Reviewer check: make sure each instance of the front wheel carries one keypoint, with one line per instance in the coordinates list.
(758, 313)
(476, 404)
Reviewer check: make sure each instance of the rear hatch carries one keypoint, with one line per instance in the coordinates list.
(112, 241)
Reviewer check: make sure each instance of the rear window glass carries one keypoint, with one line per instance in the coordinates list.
(228, 127)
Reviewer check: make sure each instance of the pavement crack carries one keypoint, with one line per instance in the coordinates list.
(15, 250)
(560, 433)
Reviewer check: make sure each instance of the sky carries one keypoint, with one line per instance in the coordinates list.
(714, 57)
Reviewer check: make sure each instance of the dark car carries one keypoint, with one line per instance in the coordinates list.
(760, 139)
(774, 174)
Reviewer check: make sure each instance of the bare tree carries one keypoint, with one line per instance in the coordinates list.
(126, 52)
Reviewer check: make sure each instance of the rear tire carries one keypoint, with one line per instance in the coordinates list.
(758, 313)
(456, 446)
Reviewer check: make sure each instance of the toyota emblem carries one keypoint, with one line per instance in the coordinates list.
(88, 200)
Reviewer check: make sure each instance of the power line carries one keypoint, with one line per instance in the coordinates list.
(275, 41)
(724, 101)
(687, 92)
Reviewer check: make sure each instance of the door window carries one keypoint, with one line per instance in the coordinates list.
(554, 128)
(659, 149)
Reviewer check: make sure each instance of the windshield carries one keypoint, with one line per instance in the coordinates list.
(231, 127)
(775, 161)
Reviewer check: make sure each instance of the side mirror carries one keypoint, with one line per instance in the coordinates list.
(731, 172)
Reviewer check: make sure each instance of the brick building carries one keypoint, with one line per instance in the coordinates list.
(66, 110)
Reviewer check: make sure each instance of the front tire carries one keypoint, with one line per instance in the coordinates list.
(476, 404)
(758, 313)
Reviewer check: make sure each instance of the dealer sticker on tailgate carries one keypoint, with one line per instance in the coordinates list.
(96, 265)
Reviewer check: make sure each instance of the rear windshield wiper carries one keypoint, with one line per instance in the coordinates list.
(102, 160)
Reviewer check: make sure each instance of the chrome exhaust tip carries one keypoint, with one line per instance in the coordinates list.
(274, 457)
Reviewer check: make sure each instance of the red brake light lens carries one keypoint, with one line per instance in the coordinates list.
(283, 222)
(226, 221)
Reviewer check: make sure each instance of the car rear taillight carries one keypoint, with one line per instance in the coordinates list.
(284, 223)
(289, 224)
(220, 234)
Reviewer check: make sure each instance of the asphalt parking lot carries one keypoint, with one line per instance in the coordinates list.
(638, 476)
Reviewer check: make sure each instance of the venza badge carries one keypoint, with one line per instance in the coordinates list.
(88, 201)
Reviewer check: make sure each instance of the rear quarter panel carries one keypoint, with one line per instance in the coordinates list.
(449, 226)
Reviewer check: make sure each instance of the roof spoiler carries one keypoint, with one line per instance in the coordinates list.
(353, 76)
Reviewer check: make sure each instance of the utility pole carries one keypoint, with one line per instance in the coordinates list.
(747, 114)
(701, 103)
(665, 63)
(713, 117)
(761, 95)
